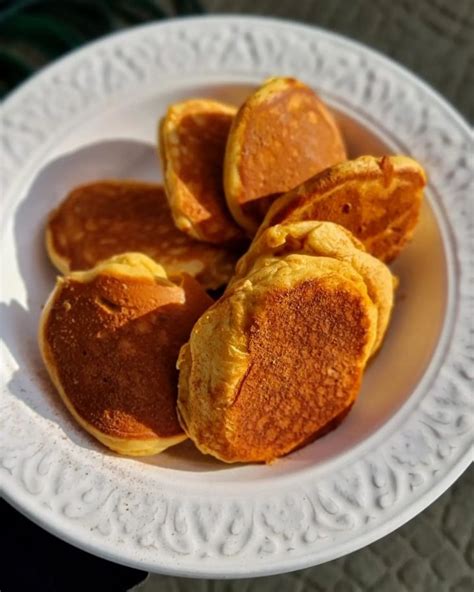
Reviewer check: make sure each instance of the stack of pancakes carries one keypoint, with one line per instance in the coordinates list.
(139, 352)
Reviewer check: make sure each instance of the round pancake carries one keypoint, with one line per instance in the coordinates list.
(277, 360)
(282, 135)
(324, 239)
(192, 140)
(105, 218)
(377, 198)
(110, 338)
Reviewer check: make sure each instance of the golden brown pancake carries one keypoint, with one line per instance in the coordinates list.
(377, 198)
(192, 139)
(110, 339)
(277, 360)
(282, 135)
(324, 239)
(105, 218)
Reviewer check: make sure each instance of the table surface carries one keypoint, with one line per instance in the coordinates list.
(435, 39)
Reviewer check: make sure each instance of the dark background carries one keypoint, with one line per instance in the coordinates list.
(434, 39)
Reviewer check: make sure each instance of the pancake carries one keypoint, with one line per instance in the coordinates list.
(192, 139)
(105, 218)
(110, 338)
(377, 198)
(276, 361)
(324, 239)
(282, 135)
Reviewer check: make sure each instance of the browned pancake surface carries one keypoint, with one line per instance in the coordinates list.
(378, 199)
(302, 373)
(105, 218)
(281, 145)
(113, 343)
(281, 136)
(193, 137)
(277, 360)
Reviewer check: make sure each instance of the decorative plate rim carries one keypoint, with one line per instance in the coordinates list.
(304, 523)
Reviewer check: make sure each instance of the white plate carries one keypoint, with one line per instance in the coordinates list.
(407, 439)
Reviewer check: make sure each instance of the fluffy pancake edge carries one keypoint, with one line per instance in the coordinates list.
(130, 264)
(233, 184)
(176, 190)
(197, 364)
(325, 239)
(385, 170)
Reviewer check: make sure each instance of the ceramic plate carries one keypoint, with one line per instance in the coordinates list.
(407, 438)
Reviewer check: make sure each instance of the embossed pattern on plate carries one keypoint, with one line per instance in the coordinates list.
(141, 515)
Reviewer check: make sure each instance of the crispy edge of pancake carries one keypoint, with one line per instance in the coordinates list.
(126, 265)
(232, 180)
(367, 168)
(62, 263)
(222, 359)
(177, 191)
(211, 277)
(324, 239)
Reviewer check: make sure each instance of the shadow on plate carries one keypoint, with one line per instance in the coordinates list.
(30, 383)
(423, 306)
